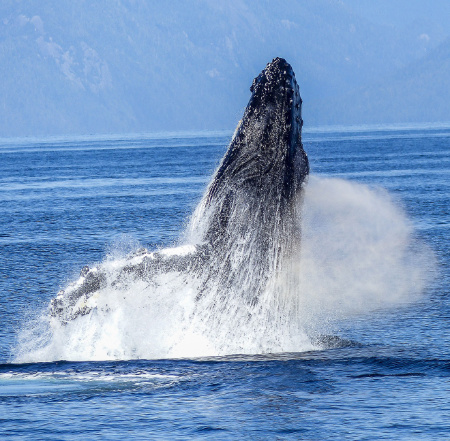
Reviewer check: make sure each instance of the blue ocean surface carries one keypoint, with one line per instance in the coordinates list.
(380, 363)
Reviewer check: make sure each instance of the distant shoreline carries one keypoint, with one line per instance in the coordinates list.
(183, 134)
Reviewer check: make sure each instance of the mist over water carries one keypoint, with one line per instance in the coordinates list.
(358, 253)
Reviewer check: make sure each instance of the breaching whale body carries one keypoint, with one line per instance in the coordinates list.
(236, 262)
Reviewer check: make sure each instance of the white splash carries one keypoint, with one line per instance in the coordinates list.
(357, 254)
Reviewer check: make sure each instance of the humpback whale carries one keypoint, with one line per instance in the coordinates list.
(242, 236)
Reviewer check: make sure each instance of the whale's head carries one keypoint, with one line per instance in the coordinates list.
(265, 165)
(275, 108)
(266, 151)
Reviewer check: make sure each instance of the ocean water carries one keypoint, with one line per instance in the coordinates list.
(373, 361)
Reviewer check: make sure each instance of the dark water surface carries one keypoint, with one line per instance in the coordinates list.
(67, 202)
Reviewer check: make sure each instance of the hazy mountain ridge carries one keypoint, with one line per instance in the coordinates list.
(124, 66)
(415, 93)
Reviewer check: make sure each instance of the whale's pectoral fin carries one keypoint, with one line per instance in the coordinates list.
(80, 297)
(71, 302)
